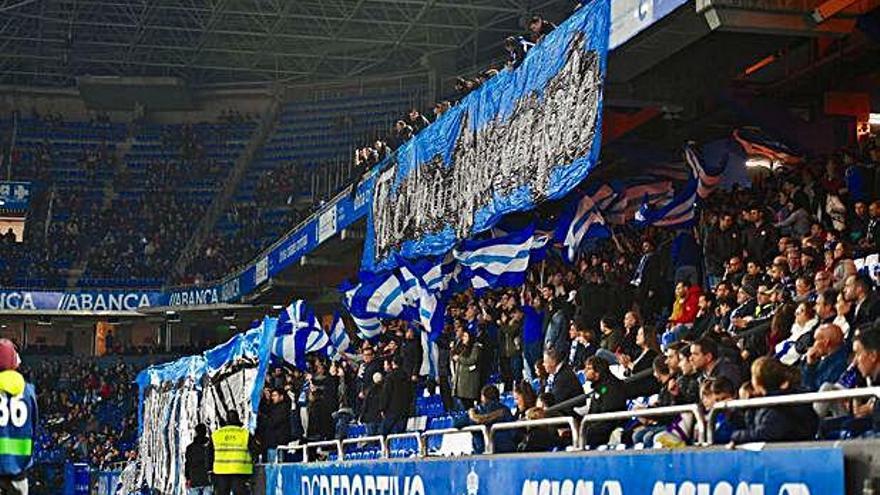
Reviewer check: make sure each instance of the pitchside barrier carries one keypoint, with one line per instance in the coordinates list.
(751, 469)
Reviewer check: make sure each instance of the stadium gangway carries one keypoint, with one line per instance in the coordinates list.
(340, 451)
(693, 409)
(420, 440)
(568, 421)
(482, 429)
(785, 400)
(383, 445)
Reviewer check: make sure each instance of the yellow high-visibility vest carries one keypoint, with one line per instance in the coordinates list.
(231, 455)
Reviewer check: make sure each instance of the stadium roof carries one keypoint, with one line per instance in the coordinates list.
(52, 42)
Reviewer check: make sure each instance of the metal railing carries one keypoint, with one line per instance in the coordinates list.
(654, 412)
(383, 445)
(306, 446)
(568, 421)
(786, 400)
(703, 424)
(420, 441)
(482, 429)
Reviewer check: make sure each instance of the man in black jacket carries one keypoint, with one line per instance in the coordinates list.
(412, 355)
(199, 459)
(723, 243)
(397, 399)
(648, 280)
(276, 429)
(562, 381)
(760, 237)
(608, 395)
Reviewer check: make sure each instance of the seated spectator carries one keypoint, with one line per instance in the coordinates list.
(488, 412)
(826, 359)
(607, 395)
(706, 360)
(867, 359)
(726, 422)
(539, 438)
(790, 350)
(562, 381)
(776, 423)
(524, 397)
(646, 339)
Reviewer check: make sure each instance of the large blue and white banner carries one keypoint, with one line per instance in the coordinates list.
(525, 137)
(806, 471)
(15, 196)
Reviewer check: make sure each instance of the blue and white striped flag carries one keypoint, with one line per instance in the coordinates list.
(431, 313)
(708, 178)
(587, 223)
(298, 334)
(499, 262)
(368, 326)
(678, 212)
(385, 295)
(340, 342)
(430, 352)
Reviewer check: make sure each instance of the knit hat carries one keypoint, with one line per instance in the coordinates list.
(9, 359)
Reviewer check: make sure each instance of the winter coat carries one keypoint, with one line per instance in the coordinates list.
(467, 374)
(778, 424)
(199, 461)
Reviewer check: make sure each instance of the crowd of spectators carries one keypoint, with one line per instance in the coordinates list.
(88, 413)
(414, 121)
(761, 298)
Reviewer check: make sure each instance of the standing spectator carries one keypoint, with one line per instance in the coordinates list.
(371, 410)
(555, 333)
(466, 357)
(722, 243)
(416, 120)
(276, 429)
(397, 398)
(510, 336)
(199, 459)
(412, 355)
(539, 28)
(533, 336)
(760, 237)
(648, 280)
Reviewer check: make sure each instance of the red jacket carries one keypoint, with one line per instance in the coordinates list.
(688, 306)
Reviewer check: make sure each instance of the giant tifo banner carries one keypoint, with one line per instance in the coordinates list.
(806, 471)
(175, 397)
(524, 137)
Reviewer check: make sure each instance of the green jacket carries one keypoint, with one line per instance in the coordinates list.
(467, 374)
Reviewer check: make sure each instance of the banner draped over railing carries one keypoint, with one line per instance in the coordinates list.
(175, 397)
(526, 136)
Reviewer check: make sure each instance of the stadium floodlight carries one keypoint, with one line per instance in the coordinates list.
(229, 315)
(44, 321)
(759, 161)
(277, 307)
(873, 119)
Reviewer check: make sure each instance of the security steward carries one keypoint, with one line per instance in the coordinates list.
(18, 420)
(233, 457)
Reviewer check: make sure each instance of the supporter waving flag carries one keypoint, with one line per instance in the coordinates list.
(368, 326)
(678, 212)
(498, 262)
(298, 334)
(585, 223)
(340, 342)
(708, 179)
